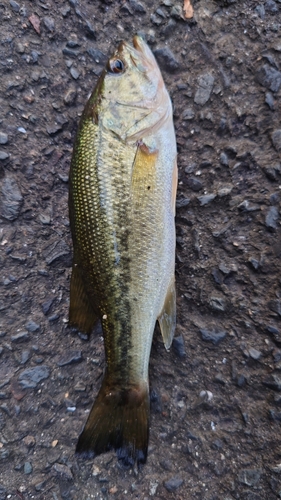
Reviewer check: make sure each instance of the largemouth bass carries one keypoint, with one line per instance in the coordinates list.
(123, 182)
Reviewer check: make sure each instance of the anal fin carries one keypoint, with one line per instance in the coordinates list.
(81, 313)
(167, 317)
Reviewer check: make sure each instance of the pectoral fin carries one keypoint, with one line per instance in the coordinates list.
(81, 313)
(167, 317)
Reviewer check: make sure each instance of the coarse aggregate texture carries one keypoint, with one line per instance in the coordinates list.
(216, 396)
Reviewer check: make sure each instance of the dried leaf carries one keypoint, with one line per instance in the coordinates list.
(35, 21)
(188, 9)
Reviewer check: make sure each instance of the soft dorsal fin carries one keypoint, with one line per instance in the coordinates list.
(81, 312)
(167, 317)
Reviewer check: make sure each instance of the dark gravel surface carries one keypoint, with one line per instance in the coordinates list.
(216, 396)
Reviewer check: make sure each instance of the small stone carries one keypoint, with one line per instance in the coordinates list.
(254, 353)
(178, 346)
(55, 250)
(20, 337)
(269, 100)
(3, 492)
(3, 138)
(271, 218)
(54, 128)
(224, 159)
(45, 219)
(269, 77)
(11, 199)
(276, 139)
(15, 6)
(75, 73)
(69, 358)
(217, 303)
(62, 471)
(188, 114)
(212, 336)
(49, 23)
(260, 10)
(173, 484)
(182, 202)
(270, 6)
(275, 333)
(27, 468)
(29, 441)
(4, 155)
(31, 377)
(206, 199)
(273, 382)
(32, 327)
(70, 96)
(194, 184)
(250, 477)
(98, 56)
(205, 87)
(166, 59)
(46, 306)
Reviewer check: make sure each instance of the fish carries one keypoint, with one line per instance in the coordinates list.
(122, 193)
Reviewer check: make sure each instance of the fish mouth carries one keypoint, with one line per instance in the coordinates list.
(138, 54)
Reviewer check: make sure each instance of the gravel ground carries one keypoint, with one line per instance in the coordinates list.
(216, 396)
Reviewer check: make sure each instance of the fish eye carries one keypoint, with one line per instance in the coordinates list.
(116, 66)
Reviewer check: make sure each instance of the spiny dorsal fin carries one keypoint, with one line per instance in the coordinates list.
(167, 317)
(81, 313)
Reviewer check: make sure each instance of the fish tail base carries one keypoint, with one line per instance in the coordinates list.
(118, 420)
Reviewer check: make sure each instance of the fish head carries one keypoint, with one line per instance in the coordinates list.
(134, 97)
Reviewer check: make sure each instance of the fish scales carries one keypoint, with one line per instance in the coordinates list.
(122, 196)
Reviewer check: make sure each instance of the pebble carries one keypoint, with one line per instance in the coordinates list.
(166, 59)
(70, 96)
(188, 114)
(269, 100)
(55, 251)
(173, 484)
(3, 492)
(178, 346)
(271, 218)
(15, 6)
(20, 337)
(32, 327)
(249, 477)
(29, 441)
(69, 358)
(224, 159)
(11, 199)
(273, 381)
(205, 87)
(27, 468)
(217, 303)
(260, 10)
(212, 336)
(276, 139)
(206, 198)
(270, 6)
(4, 155)
(31, 377)
(63, 471)
(75, 73)
(46, 305)
(274, 333)
(254, 353)
(269, 77)
(90, 30)
(194, 184)
(182, 202)
(3, 138)
(98, 56)
(155, 401)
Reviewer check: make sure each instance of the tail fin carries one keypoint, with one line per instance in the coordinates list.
(118, 420)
